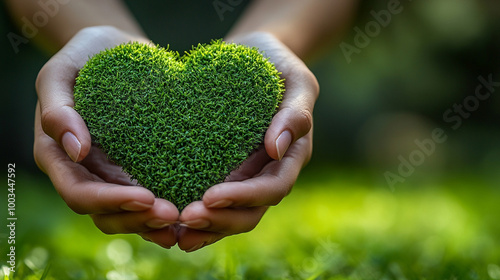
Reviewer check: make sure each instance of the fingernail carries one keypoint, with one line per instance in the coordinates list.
(196, 247)
(283, 142)
(135, 206)
(221, 204)
(197, 224)
(158, 224)
(71, 145)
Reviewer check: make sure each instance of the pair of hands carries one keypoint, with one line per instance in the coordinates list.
(90, 184)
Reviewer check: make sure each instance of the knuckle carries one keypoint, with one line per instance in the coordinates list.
(300, 121)
(106, 231)
(72, 202)
(275, 201)
(249, 227)
(78, 210)
(103, 224)
(254, 220)
(306, 120)
(314, 84)
(48, 118)
(214, 238)
(105, 228)
(280, 194)
(128, 229)
(74, 206)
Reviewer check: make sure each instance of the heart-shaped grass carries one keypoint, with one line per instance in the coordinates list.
(178, 125)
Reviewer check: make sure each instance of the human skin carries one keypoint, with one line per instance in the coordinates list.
(286, 31)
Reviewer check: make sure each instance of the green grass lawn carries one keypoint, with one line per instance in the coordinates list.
(334, 225)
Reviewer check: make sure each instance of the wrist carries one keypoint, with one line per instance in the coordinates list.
(247, 37)
(261, 37)
(108, 33)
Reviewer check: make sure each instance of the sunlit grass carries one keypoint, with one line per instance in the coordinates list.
(330, 227)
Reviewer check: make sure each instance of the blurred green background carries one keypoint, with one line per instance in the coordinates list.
(342, 220)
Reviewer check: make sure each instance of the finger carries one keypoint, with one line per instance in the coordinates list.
(251, 166)
(166, 237)
(294, 118)
(87, 197)
(160, 216)
(98, 163)
(190, 240)
(84, 192)
(223, 220)
(268, 188)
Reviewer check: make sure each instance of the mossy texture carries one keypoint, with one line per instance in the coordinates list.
(178, 125)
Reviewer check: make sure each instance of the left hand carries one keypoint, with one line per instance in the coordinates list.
(263, 180)
(81, 173)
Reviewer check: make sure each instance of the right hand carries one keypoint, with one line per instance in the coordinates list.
(86, 180)
(238, 204)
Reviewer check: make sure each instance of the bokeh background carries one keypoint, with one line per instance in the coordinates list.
(342, 220)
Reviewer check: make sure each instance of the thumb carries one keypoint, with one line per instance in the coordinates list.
(294, 118)
(55, 82)
(54, 86)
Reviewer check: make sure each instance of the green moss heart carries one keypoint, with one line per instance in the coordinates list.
(178, 125)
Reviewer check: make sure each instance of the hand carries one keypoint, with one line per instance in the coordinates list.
(263, 180)
(86, 180)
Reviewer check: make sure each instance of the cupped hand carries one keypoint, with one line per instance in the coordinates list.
(238, 204)
(90, 184)
(80, 172)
